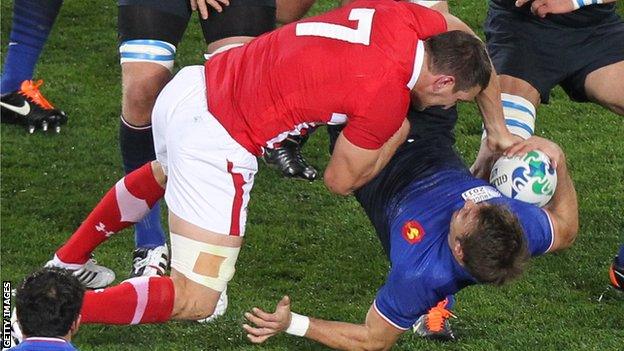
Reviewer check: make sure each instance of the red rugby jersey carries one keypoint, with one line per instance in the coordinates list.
(354, 65)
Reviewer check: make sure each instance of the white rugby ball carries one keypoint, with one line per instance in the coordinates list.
(530, 178)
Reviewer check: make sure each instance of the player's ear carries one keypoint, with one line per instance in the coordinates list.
(458, 250)
(75, 325)
(444, 84)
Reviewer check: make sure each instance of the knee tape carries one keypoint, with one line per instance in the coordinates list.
(212, 266)
(519, 115)
(148, 50)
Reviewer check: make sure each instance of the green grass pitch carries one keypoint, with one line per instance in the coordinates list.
(301, 240)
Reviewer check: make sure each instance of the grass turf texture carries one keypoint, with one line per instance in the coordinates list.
(301, 240)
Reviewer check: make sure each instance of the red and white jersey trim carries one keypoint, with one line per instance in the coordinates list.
(386, 318)
(338, 118)
(295, 131)
(418, 63)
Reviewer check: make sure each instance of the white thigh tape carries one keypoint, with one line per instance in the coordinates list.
(519, 115)
(148, 50)
(221, 260)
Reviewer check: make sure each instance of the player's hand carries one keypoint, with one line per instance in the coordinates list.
(202, 6)
(541, 8)
(552, 150)
(486, 158)
(501, 141)
(268, 324)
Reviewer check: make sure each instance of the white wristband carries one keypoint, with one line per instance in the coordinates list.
(580, 3)
(298, 324)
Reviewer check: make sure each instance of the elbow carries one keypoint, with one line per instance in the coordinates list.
(570, 235)
(337, 185)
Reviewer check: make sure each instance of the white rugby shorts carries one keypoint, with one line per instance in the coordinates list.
(209, 174)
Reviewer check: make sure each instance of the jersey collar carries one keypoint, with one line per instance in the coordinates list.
(419, 59)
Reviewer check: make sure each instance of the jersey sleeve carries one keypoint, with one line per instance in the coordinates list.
(382, 115)
(428, 22)
(536, 224)
(402, 299)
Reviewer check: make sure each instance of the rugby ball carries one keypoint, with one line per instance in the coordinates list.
(530, 178)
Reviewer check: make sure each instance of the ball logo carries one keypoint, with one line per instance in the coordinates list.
(413, 232)
(530, 178)
(521, 176)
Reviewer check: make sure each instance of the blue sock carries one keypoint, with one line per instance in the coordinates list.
(451, 302)
(32, 23)
(137, 148)
(620, 259)
(148, 233)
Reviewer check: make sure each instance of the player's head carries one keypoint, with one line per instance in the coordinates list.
(48, 303)
(456, 68)
(488, 240)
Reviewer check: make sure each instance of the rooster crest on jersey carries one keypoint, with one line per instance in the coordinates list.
(530, 179)
(413, 232)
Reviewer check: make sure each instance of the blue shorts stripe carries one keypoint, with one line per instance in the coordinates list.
(151, 42)
(580, 3)
(147, 57)
(515, 123)
(515, 106)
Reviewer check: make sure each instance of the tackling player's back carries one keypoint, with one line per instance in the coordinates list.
(357, 63)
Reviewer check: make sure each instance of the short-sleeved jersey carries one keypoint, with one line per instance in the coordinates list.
(585, 16)
(354, 65)
(424, 270)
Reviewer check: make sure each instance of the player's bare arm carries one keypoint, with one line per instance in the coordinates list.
(488, 100)
(374, 334)
(541, 8)
(351, 166)
(563, 207)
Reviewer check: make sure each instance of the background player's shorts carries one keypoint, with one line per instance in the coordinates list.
(545, 54)
(166, 20)
(209, 175)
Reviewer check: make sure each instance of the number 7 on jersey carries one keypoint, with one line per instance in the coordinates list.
(359, 35)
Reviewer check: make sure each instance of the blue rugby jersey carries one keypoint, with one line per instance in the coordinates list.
(424, 270)
(44, 344)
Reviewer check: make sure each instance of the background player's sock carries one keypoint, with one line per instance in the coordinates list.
(450, 302)
(32, 23)
(123, 205)
(137, 148)
(134, 301)
(620, 259)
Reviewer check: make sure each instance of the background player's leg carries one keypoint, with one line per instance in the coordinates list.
(292, 10)
(32, 23)
(148, 36)
(511, 86)
(605, 85)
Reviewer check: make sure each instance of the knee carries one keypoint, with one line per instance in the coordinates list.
(192, 304)
(139, 95)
